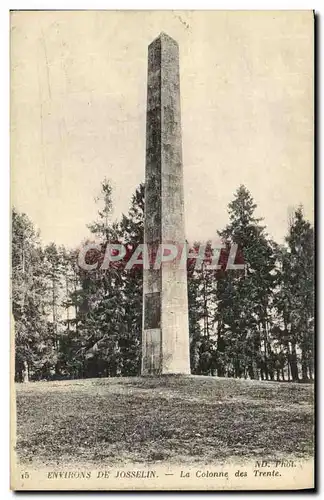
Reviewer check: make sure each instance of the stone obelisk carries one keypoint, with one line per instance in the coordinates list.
(165, 334)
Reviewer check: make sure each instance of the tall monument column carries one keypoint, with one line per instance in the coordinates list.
(165, 335)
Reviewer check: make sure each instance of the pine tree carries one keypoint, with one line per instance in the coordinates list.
(244, 297)
(201, 302)
(195, 310)
(34, 354)
(70, 365)
(131, 232)
(98, 301)
(295, 296)
(54, 270)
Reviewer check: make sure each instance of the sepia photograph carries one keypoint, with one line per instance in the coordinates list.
(162, 250)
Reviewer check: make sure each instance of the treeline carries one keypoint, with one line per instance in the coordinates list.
(255, 323)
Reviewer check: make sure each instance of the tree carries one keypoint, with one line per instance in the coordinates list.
(244, 296)
(102, 226)
(295, 296)
(255, 322)
(131, 232)
(98, 302)
(34, 353)
(195, 310)
(54, 272)
(201, 303)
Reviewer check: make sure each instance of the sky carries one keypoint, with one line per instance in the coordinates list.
(78, 112)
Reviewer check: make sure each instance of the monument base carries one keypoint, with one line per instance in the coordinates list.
(159, 359)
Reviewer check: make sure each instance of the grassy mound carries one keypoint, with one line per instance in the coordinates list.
(176, 419)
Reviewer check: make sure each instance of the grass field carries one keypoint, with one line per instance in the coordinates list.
(175, 419)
